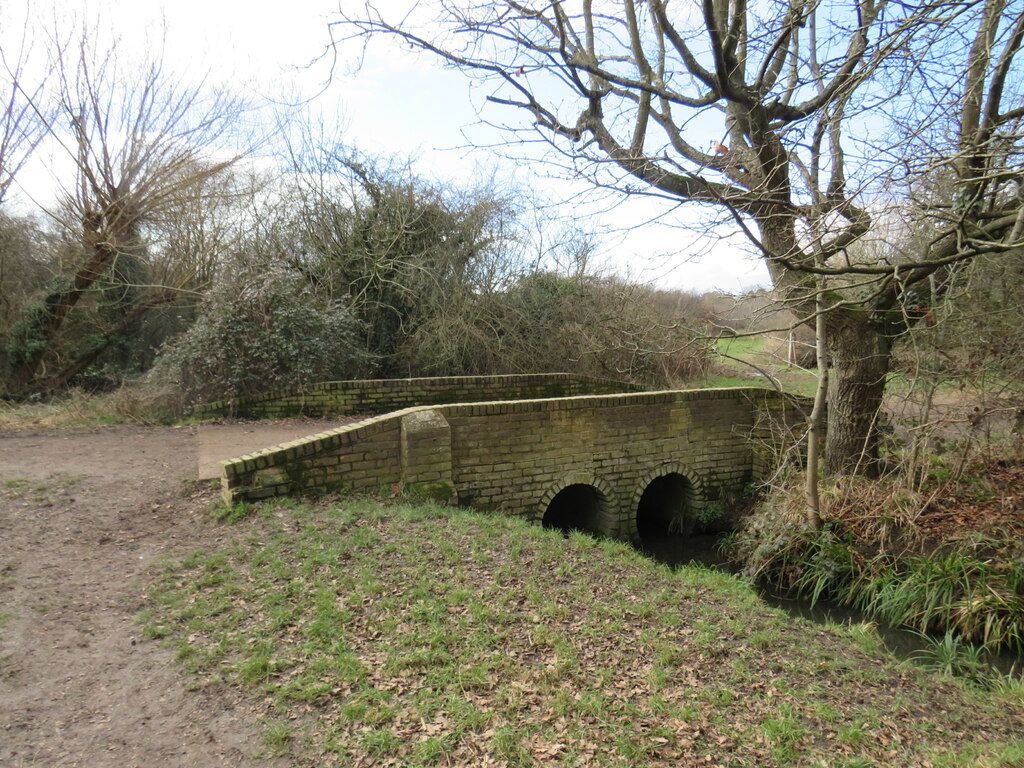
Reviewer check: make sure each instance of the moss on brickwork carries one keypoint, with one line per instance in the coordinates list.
(511, 455)
(440, 492)
(342, 398)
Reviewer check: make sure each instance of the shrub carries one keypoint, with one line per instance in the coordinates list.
(545, 321)
(886, 564)
(259, 329)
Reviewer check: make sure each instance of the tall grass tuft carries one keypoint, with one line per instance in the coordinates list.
(952, 656)
(973, 588)
(130, 404)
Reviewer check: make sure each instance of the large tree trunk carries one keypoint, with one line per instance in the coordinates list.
(103, 242)
(49, 315)
(860, 357)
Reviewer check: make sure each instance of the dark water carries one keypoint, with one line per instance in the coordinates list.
(705, 550)
(697, 549)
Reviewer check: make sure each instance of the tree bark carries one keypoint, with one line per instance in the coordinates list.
(858, 351)
(64, 377)
(102, 244)
(51, 314)
(860, 355)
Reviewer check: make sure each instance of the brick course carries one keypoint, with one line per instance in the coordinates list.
(362, 396)
(513, 456)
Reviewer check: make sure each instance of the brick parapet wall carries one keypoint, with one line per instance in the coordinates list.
(361, 396)
(514, 456)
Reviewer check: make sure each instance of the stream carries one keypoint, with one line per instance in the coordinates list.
(703, 550)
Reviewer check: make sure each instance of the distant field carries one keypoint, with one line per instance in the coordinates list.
(741, 360)
(742, 346)
(736, 358)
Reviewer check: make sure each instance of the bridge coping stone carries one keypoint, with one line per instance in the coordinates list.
(385, 449)
(384, 395)
(374, 424)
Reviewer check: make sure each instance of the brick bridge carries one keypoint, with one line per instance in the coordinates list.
(614, 464)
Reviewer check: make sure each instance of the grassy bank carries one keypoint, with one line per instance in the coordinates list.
(973, 589)
(946, 556)
(81, 410)
(420, 635)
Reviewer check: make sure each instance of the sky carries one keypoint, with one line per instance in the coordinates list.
(400, 103)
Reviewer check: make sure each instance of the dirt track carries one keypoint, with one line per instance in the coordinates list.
(85, 519)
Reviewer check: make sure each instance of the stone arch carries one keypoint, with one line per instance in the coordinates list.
(696, 495)
(580, 489)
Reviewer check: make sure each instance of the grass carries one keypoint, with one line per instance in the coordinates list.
(43, 493)
(733, 371)
(741, 346)
(231, 513)
(421, 635)
(962, 591)
(945, 557)
(735, 354)
(82, 410)
(1010, 688)
(950, 655)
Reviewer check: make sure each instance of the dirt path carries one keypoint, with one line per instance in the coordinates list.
(85, 518)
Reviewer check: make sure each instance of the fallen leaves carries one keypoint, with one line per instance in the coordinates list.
(460, 640)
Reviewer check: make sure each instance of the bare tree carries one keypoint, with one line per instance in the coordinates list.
(755, 109)
(143, 143)
(20, 126)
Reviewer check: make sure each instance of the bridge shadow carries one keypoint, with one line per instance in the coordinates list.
(667, 529)
(665, 507)
(577, 507)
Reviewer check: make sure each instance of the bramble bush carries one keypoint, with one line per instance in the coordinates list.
(259, 328)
